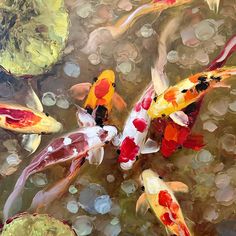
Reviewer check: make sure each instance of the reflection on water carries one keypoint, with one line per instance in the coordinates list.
(179, 42)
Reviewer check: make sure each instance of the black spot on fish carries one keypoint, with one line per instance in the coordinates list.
(118, 151)
(202, 78)
(190, 108)
(202, 86)
(95, 79)
(143, 188)
(155, 99)
(160, 177)
(217, 78)
(163, 115)
(101, 114)
(184, 91)
(89, 110)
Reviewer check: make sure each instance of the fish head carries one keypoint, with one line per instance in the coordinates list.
(152, 182)
(107, 74)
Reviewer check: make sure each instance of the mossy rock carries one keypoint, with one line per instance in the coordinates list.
(36, 225)
(33, 34)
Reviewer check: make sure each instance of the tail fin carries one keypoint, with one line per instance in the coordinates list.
(213, 4)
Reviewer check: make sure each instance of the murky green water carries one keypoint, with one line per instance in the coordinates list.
(211, 199)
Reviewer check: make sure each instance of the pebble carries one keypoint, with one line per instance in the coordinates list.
(10, 145)
(204, 156)
(222, 180)
(62, 102)
(233, 92)
(209, 126)
(219, 40)
(49, 99)
(129, 186)
(218, 107)
(124, 67)
(232, 106)
(83, 225)
(146, 30)
(102, 204)
(225, 194)
(204, 30)
(94, 59)
(71, 69)
(84, 10)
(209, 46)
(110, 178)
(202, 57)
(115, 221)
(228, 142)
(72, 206)
(73, 189)
(112, 230)
(188, 37)
(13, 159)
(210, 214)
(125, 5)
(172, 56)
(39, 179)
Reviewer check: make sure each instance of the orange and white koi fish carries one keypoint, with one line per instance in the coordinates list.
(96, 37)
(160, 198)
(101, 96)
(175, 98)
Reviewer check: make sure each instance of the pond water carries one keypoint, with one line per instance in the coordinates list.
(179, 41)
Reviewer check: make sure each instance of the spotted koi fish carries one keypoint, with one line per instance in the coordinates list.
(82, 143)
(101, 96)
(132, 140)
(175, 98)
(160, 198)
(25, 120)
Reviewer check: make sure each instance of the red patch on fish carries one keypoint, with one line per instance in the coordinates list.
(138, 107)
(166, 220)
(102, 88)
(140, 124)
(168, 147)
(166, 1)
(19, 118)
(128, 150)
(184, 229)
(164, 198)
(146, 103)
(195, 142)
(174, 207)
(170, 95)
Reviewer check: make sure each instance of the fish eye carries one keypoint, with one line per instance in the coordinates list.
(114, 85)
(95, 79)
(155, 99)
(143, 188)
(46, 114)
(160, 177)
(118, 151)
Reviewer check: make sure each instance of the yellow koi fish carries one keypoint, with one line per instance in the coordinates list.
(160, 198)
(187, 91)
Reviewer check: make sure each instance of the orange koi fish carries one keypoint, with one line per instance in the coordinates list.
(160, 198)
(25, 120)
(175, 98)
(101, 96)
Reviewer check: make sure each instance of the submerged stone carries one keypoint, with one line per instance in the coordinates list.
(112, 230)
(129, 186)
(39, 179)
(72, 206)
(102, 204)
(83, 225)
(204, 30)
(226, 228)
(49, 99)
(222, 180)
(71, 69)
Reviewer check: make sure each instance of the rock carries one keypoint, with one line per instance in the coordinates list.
(204, 156)
(72, 206)
(225, 194)
(83, 225)
(209, 126)
(13, 159)
(226, 228)
(112, 230)
(129, 186)
(146, 30)
(110, 178)
(94, 59)
(62, 102)
(49, 99)
(210, 214)
(84, 10)
(125, 67)
(39, 179)
(232, 106)
(188, 37)
(102, 204)
(10, 145)
(228, 142)
(222, 180)
(73, 189)
(202, 57)
(204, 30)
(71, 69)
(172, 56)
(218, 107)
(125, 5)
(115, 221)
(219, 40)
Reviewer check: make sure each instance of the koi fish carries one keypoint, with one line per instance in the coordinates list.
(96, 37)
(132, 140)
(101, 96)
(175, 98)
(82, 143)
(160, 198)
(213, 4)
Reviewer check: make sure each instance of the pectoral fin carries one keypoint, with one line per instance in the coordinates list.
(142, 205)
(180, 118)
(31, 142)
(150, 147)
(84, 119)
(80, 91)
(177, 186)
(32, 100)
(95, 156)
(118, 102)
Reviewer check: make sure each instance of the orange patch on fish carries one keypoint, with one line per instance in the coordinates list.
(194, 78)
(102, 88)
(171, 133)
(170, 95)
(190, 94)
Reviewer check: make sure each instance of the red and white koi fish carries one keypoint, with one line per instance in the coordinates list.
(176, 98)
(160, 198)
(132, 140)
(101, 96)
(96, 37)
(82, 143)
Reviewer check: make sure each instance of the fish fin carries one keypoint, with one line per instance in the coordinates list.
(150, 147)
(213, 5)
(160, 82)
(221, 84)
(177, 186)
(195, 142)
(32, 100)
(95, 156)
(31, 142)
(180, 118)
(142, 205)
(84, 119)
(118, 102)
(80, 91)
